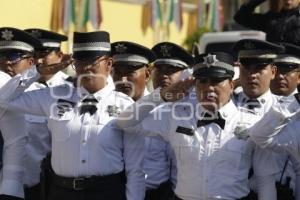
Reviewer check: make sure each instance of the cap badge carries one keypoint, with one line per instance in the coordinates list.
(210, 60)
(7, 35)
(166, 50)
(36, 33)
(249, 45)
(120, 48)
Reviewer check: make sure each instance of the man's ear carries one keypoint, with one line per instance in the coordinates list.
(273, 71)
(109, 63)
(147, 74)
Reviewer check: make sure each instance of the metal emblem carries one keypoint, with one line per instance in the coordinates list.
(249, 45)
(113, 110)
(7, 35)
(120, 48)
(166, 50)
(210, 60)
(36, 33)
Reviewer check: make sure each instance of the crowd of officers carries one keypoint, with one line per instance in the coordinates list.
(199, 133)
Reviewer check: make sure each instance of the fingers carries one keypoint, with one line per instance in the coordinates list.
(178, 90)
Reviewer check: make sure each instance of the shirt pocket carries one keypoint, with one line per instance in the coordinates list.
(233, 156)
(187, 150)
(60, 127)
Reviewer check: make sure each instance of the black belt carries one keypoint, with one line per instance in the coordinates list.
(91, 183)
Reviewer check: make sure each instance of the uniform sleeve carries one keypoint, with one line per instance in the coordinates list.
(173, 166)
(133, 158)
(265, 167)
(266, 187)
(146, 116)
(245, 16)
(273, 132)
(12, 127)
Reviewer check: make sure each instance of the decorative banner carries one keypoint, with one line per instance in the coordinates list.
(76, 12)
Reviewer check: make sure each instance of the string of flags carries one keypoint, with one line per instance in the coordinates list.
(209, 14)
(77, 13)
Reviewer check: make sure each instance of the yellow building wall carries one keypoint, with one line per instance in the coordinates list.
(122, 20)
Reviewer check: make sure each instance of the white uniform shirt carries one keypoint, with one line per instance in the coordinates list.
(39, 140)
(159, 162)
(84, 145)
(211, 163)
(12, 126)
(269, 169)
(292, 170)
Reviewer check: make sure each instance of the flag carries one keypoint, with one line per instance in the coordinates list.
(146, 16)
(201, 13)
(68, 15)
(156, 12)
(178, 18)
(95, 16)
(57, 15)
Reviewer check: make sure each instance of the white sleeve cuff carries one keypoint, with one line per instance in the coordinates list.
(12, 187)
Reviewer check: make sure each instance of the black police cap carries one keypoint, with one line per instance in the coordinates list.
(257, 49)
(50, 40)
(171, 54)
(217, 64)
(17, 40)
(290, 55)
(129, 53)
(91, 44)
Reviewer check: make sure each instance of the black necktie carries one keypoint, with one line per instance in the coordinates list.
(253, 103)
(208, 118)
(88, 105)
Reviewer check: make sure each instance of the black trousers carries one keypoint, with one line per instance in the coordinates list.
(33, 193)
(8, 197)
(163, 192)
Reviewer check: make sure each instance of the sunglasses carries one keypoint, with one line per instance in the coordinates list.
(284, 68)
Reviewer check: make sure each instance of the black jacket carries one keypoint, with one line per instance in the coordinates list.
(279, 27)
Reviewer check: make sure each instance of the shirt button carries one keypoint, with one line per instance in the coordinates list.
(83, 141)
(83, 161)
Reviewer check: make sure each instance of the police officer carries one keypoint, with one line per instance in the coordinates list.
(213, 158)
(285, 86)
(130, 74)
(89, 153)
(39, 143)
(131, 68)
(160, 163)
(279, 27)
(257, 69)
(16, 55)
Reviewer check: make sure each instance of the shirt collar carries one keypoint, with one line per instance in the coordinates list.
(262, 98)
(99, 95)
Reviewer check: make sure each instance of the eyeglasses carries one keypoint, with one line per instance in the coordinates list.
(13, 58)
(91, 63)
